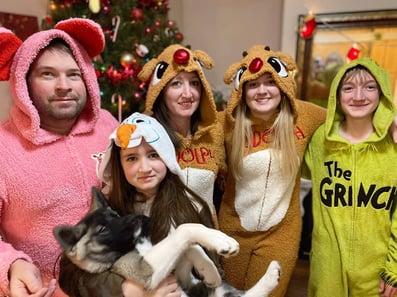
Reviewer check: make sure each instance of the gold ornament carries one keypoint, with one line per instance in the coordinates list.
(94, 6)
(127, 59)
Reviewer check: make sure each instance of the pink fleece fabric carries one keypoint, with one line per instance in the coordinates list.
(45, 179)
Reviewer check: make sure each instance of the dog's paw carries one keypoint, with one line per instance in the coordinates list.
(274, 269)
(211, 278)
(273, 273)
(267, 282)
(209, 238)
(212, 283)
(225, 245)
(203, 265)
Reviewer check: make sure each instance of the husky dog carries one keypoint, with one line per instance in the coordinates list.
(108, 248)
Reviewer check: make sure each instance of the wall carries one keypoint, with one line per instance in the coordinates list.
(224, 29)
(293, 8)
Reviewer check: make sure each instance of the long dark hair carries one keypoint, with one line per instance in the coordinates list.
(161, 113)
(174, 204)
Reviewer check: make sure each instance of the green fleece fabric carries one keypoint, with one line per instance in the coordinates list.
(354, 196)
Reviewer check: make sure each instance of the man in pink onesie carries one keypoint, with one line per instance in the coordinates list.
(47, 145)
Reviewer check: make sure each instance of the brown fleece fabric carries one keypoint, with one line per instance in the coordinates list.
(278, 238)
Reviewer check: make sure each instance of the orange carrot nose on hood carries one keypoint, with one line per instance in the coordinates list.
(130, 133)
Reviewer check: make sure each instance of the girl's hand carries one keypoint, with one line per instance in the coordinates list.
(167, 288)
(386, 290)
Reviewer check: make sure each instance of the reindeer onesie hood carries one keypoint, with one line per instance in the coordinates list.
(262, 209)
(173, 60)
(202, 155)
(46, 178)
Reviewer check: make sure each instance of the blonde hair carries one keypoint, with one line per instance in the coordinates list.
(282, 139)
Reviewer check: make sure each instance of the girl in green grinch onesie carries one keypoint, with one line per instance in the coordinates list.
(266, 132)
(352, 158)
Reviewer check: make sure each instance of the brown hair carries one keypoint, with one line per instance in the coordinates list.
(55, 45)
(160, 112)
(173, 205)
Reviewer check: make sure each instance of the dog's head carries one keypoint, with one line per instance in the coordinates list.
(101, 237)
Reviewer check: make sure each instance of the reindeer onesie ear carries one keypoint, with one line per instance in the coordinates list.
(9, 44)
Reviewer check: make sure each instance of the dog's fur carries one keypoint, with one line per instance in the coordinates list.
(107, 249)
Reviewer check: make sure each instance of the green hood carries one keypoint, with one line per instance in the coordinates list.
(384, 114)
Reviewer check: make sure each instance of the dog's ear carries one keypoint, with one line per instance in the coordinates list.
(68, 236)
(98, 200)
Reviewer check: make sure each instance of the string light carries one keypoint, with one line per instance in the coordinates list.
(310, 26)
(353, 53)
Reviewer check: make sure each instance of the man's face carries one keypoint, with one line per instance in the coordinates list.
(57, 90)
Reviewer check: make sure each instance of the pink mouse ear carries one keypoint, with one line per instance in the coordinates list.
(9, 44)
(87, 32)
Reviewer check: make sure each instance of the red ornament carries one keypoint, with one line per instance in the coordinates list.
(256, 65)
(113, 75)
(137, 14)
(127, 72)
(48, 20)
(179, 36)
(181, 56)
(310, 25)
(146, 3)
(353, 52)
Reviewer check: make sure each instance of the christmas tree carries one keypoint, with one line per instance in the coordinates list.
(135, 31)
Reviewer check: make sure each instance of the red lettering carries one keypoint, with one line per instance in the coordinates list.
(261, 137)
(299, 133)
(256, 138)
(186, 156)
(197, 155)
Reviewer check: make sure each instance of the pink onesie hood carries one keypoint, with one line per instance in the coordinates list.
(85, 39)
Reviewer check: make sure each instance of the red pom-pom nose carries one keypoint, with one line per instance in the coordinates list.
(181, 56)
(255, 65)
